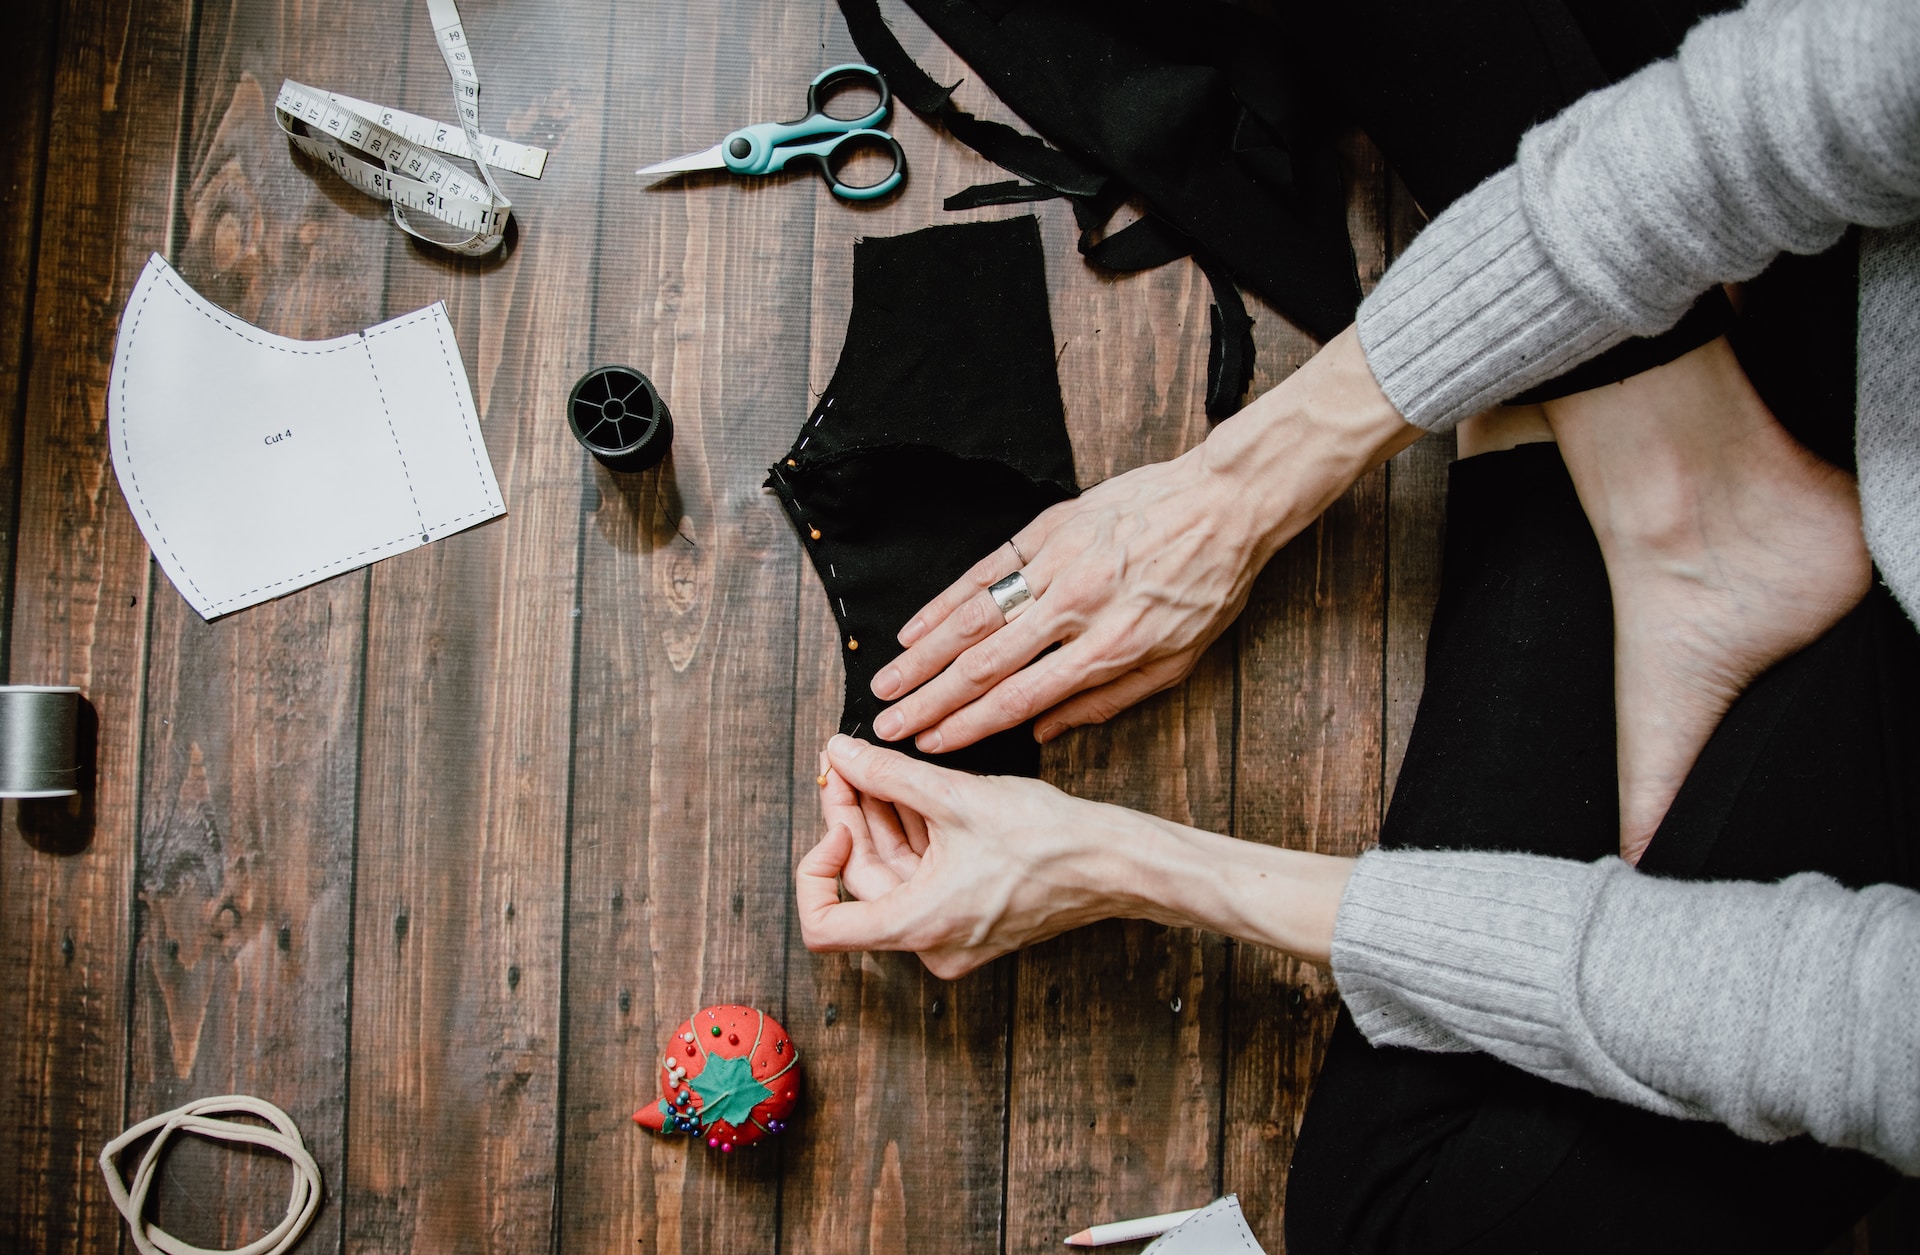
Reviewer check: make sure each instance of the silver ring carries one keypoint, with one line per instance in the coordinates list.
(1012, 595)
(1016, 551)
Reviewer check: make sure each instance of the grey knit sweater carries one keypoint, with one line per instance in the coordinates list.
(1777, 1009)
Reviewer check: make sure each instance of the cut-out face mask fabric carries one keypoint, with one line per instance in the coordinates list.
(257, 465)
(940, 436)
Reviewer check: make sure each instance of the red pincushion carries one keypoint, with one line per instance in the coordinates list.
(728, 1074)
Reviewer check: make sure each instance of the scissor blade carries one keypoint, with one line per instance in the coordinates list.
(706, 159)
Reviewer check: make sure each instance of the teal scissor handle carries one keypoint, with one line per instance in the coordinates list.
(821, 155)
(767, 147)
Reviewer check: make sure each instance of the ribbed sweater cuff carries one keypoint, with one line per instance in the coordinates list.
(1459, 950)
(1474, 312)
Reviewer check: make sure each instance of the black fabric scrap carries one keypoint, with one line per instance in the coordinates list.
(1230, 351)
(1140, 245)
(1012, 192)
(1150, 242)
(940, 436)
(1026, 155)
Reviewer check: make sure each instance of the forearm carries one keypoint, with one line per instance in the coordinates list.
(1181, 876)
(1278, 464)
(1775, 127)
(1774, 1008)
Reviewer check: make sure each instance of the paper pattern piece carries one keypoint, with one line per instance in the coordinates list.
(1216, 1229)
(256, 465)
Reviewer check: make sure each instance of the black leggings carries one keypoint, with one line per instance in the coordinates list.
(1512, 749)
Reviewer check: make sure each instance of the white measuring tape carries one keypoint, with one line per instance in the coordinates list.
(337, 129)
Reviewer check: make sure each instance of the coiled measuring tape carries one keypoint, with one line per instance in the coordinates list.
(399, 166)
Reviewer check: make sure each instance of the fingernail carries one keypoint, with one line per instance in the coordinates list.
(1047, 733)
(887, 726)
(845, 746)
(931, 741)
(887, 683)
(909, 633)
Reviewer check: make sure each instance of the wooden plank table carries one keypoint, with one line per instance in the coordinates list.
(432, 854)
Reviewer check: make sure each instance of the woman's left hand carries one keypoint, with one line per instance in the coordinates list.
(959, 869)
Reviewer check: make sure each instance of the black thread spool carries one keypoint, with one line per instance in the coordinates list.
(39, 740)
(616, 412)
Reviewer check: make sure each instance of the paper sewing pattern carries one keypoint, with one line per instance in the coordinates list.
(256, 465)
(1216, 1229)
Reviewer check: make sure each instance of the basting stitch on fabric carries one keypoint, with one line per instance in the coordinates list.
(948, 435)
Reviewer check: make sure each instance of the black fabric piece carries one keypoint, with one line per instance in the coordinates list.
(1512, 748)
(1012, 192)
(1091, 213)
(1796, 337)
(1230, 350)
(1149, 242)
(940, 436)
(1025, 155)
(1262, 152)
(1140, 245)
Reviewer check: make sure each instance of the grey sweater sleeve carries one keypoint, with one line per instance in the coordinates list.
(1776, 1009)
(1774, 128)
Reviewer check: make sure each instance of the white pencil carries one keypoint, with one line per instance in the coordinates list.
(1129, 1230)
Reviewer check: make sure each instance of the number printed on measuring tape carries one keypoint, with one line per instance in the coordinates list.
(389, 154)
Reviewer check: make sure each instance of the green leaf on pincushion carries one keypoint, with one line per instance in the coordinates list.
(728, 1091)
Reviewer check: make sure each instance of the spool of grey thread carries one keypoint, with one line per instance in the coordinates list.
(39, 736)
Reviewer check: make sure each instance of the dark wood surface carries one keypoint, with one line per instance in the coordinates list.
(433, 854)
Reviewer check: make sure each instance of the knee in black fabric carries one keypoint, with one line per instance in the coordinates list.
(1513, 744)
(1810, 770)
(1383, 1123)
(940, 436)
(1409, 1153)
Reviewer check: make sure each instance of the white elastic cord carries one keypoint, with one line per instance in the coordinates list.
(196, 1118)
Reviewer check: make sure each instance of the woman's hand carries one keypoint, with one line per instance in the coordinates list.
(1134, 579)
(962, 869)
(959, 869)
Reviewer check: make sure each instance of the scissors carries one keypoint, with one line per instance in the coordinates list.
(766, 147)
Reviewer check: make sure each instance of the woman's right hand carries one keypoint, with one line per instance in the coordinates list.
(1134, 579)
(961, 869)
(958, 868)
